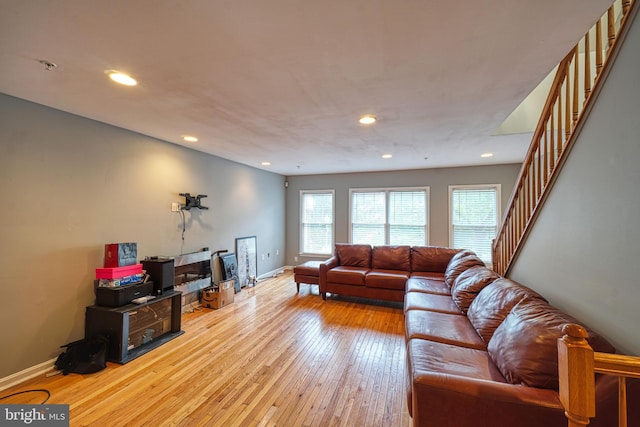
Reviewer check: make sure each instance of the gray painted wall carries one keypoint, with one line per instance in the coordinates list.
(438, 180)
(583, 251)
(70, 185)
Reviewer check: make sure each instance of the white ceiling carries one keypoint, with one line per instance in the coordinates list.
(285, 81)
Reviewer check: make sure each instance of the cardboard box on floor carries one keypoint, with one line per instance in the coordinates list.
(219, 298)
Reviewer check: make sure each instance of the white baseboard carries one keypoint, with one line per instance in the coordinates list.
(274, 273)
(27, 374)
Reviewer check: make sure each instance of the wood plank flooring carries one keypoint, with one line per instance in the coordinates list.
(273, 358)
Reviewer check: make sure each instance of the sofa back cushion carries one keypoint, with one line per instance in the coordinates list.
(432, 259)
(525, 346)
(459, 263)
(462, 253)
(469, 283)
(354, 255)
(391, 258)
(494, 302)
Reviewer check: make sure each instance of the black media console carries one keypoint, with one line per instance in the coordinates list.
(135, 329)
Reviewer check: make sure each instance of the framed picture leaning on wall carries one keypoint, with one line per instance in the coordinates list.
(246, 253)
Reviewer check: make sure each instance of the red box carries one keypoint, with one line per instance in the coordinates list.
(118, 272)
(120, 254)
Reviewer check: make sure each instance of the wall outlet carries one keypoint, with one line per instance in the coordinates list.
(277, 251)
(175, 207)
(262, 257)
(295, 258)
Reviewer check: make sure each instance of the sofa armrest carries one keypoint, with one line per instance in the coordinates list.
(436, 396)
(324, 267)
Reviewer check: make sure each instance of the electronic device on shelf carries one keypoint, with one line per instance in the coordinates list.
(143, 299)
(162, 273)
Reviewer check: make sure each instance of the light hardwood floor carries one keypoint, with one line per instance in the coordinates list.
(273, 358)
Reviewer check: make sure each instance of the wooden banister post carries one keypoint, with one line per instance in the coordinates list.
(575, 372)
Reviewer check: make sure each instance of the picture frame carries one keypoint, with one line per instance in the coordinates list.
(229, 265)
(247, 256)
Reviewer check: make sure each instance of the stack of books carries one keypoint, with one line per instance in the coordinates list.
(120, 266)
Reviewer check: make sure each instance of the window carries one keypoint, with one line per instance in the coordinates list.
(316, 222)
(474, 218)
(389, 216)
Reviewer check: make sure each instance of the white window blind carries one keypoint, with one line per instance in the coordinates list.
(316, 222)
(407, 217)
(474, 218)
(394, 216)
(368, 217)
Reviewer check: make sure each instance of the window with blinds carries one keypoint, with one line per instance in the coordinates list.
(316, 222)
(474, 218)
(389, 216)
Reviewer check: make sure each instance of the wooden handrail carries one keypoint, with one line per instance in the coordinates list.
(556, 131)
(616, 364)
(577, 366)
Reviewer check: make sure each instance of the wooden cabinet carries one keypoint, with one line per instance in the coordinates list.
(135, 329)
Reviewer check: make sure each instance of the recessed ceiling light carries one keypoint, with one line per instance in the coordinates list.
(387, 156)
(190, 138)
(485, 155)
(367, 120)
(122, 78)
(266, 163)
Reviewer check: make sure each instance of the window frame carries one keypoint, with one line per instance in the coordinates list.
(498, 190)
(301, 224)
(387, 191)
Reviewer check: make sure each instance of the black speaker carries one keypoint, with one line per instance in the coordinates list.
(161, 272)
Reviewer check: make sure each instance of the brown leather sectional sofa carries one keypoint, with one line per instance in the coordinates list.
(481, 349)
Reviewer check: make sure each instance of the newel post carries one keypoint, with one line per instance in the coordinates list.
(577, 380)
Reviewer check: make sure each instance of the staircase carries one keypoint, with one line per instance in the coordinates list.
(578, 78)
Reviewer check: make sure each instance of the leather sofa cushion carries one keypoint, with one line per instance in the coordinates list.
(387, 279)
(459, 264)
(347, 275)
(428, 275)
(450, 386)
(431, 258)
(429, 371)
(469, 283)
(442, 327)
(433, 361)
(354, 255)
(430, 302)
(426, 285)
(462, 253)
(391, 258)
(524, 347)
(494, 302)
